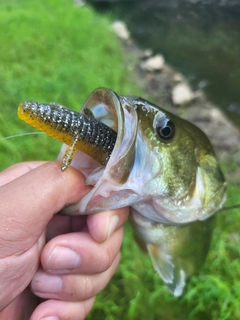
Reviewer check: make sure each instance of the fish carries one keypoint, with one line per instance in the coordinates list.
(161, 166)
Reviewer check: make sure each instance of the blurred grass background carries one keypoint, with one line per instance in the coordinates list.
(55, 51)
(52, 51)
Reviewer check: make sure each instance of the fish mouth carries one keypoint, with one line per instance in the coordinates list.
(114, 111)
(109, 182)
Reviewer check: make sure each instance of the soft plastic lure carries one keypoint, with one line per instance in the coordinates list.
(77, 130)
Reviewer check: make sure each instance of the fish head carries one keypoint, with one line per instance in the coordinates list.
(186, 183)
(161, 165)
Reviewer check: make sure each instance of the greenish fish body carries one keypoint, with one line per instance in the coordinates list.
(165, 169)
(162, 166)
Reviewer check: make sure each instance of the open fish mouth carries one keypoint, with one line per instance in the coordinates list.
(111, 187)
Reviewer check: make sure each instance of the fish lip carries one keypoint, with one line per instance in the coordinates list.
(122, 157)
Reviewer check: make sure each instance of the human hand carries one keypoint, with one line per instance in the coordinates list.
(31, 193)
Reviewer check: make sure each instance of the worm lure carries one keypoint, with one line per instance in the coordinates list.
(77, 130)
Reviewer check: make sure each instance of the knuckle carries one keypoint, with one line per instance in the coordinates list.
(88, 288)
(106, 258)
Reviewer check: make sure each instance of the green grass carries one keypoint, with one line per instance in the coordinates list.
(53, 51)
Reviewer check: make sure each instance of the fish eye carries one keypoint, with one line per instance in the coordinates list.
(165, 129)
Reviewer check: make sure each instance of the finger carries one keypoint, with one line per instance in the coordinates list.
(102, 225)
(71, 287)
(62, 310)
(79, 253)
(17, 170)
(20, 308)
(30, 201)
(13, 276)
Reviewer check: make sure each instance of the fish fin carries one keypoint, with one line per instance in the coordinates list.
(173, 277)
(141, 244)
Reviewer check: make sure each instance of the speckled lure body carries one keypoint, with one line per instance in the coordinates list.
(162, 166)
(72, 128)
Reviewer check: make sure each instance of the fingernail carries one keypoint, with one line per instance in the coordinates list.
(63, 259)
(50, 318)
(43, 282)
(113, 224)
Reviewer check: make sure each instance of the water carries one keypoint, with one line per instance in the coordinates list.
(202, 42)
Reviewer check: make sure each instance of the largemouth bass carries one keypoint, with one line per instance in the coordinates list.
(160, 165)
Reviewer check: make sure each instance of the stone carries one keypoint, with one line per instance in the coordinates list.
(146, 54)
(121, 30)
(178, 77)
(155, 63)
(182, 94)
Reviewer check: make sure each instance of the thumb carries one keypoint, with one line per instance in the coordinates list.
(29, 202)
